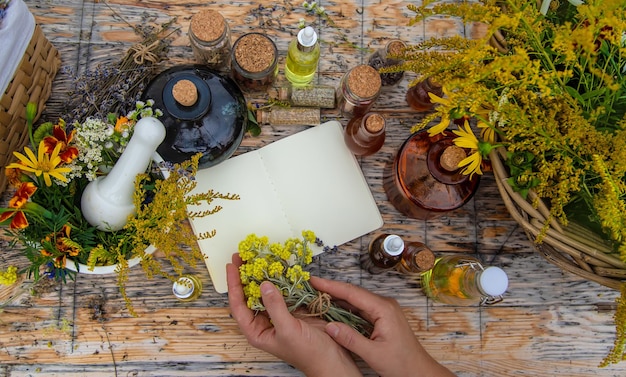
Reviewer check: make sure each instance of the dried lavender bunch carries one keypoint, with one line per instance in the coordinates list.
(111, 88)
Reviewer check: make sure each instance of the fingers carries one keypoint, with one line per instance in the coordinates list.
(275, 306)
(236, 297)
(350, 339)
(366, 302)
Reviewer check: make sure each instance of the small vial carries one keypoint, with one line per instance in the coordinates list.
(302, 57)
(384, 253)
(416, 258)
(381, 59)
(365, 135)
(209, 35)
(289, 116)
(187, 288)
(358, 89)
(462, 280)
(417, 95)
(254, 62)
(308, 96)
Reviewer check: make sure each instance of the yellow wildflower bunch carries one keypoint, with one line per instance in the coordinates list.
(284, 264)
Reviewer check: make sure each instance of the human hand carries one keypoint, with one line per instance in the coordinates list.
(392, 349)
(301, 342)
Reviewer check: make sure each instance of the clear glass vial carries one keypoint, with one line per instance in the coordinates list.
(357, 91)
(254, 62)
(322, 96)
(209, 35)
(289, 116)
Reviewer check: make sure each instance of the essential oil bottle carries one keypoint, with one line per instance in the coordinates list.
(187, 288)
(365, 135)
(462, 280)
(416, 258)
(384, 253)
(302, 57)
(417, 95)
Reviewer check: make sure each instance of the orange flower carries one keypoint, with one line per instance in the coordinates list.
(59, 136)
(63, 244)
(14, 176)
(17, 203)
(122, 124)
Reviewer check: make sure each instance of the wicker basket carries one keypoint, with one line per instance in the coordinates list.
(572, 248)
(32, 82)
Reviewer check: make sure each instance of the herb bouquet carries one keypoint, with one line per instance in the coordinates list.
(44, 215)
(282, 264)
(549, 100)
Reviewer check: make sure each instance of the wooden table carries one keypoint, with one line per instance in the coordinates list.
(550, 323)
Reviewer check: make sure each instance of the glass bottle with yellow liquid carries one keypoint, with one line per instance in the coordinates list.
(463, 281)
(302, 57)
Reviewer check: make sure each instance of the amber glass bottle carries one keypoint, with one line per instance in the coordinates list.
(424, 181)
(417, 95)
(416, 258)
(365, 135)
(357, 91)
(384, 253)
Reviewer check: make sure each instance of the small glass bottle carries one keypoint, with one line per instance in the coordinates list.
(209, 35)
(365, 135)
(384, 253)
(416, 258)
(302, 57)
(382, 59)
(187, 288)
(423, 180)
(417, 95)
(254, 63)
(289, 116)
(358, 89)
(321, 96)
(462, 280)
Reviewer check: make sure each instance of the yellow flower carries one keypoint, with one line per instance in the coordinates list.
(9, 276)
(439, 128)
(467, 139)
(43, 164)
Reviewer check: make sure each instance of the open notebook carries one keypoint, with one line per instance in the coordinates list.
(306, 181)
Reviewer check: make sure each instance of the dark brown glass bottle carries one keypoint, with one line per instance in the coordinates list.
(417, 95)
(365, 135)
(384, 253)
(422, 183)
(416, 258)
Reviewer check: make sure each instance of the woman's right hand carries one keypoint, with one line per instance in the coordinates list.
(392, 349)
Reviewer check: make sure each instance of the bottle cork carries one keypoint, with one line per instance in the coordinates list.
(185, 92)
(451, 157)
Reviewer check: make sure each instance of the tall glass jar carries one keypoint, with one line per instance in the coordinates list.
(365, 135)
(424, 180)
(254, 62)
(417, 95)
(358, 89)
(209, 35)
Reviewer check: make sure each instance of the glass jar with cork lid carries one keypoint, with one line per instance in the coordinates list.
(209, 35)
(358, 89)
(365, 135)
(254, 62)
(424, 179)
(386, 57)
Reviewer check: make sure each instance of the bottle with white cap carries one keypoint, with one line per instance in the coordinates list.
(187, 288)
(462, 280)
(302, 57)
(384, 253)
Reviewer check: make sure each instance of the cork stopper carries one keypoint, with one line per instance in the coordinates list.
(375, 123)
(255, 52)
(424, 259)
(451, 157)
(364, 81)
(185, 92)
(395, 47)
(262, 116)
(208, 25)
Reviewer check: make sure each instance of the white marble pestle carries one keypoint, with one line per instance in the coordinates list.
(108, 201)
